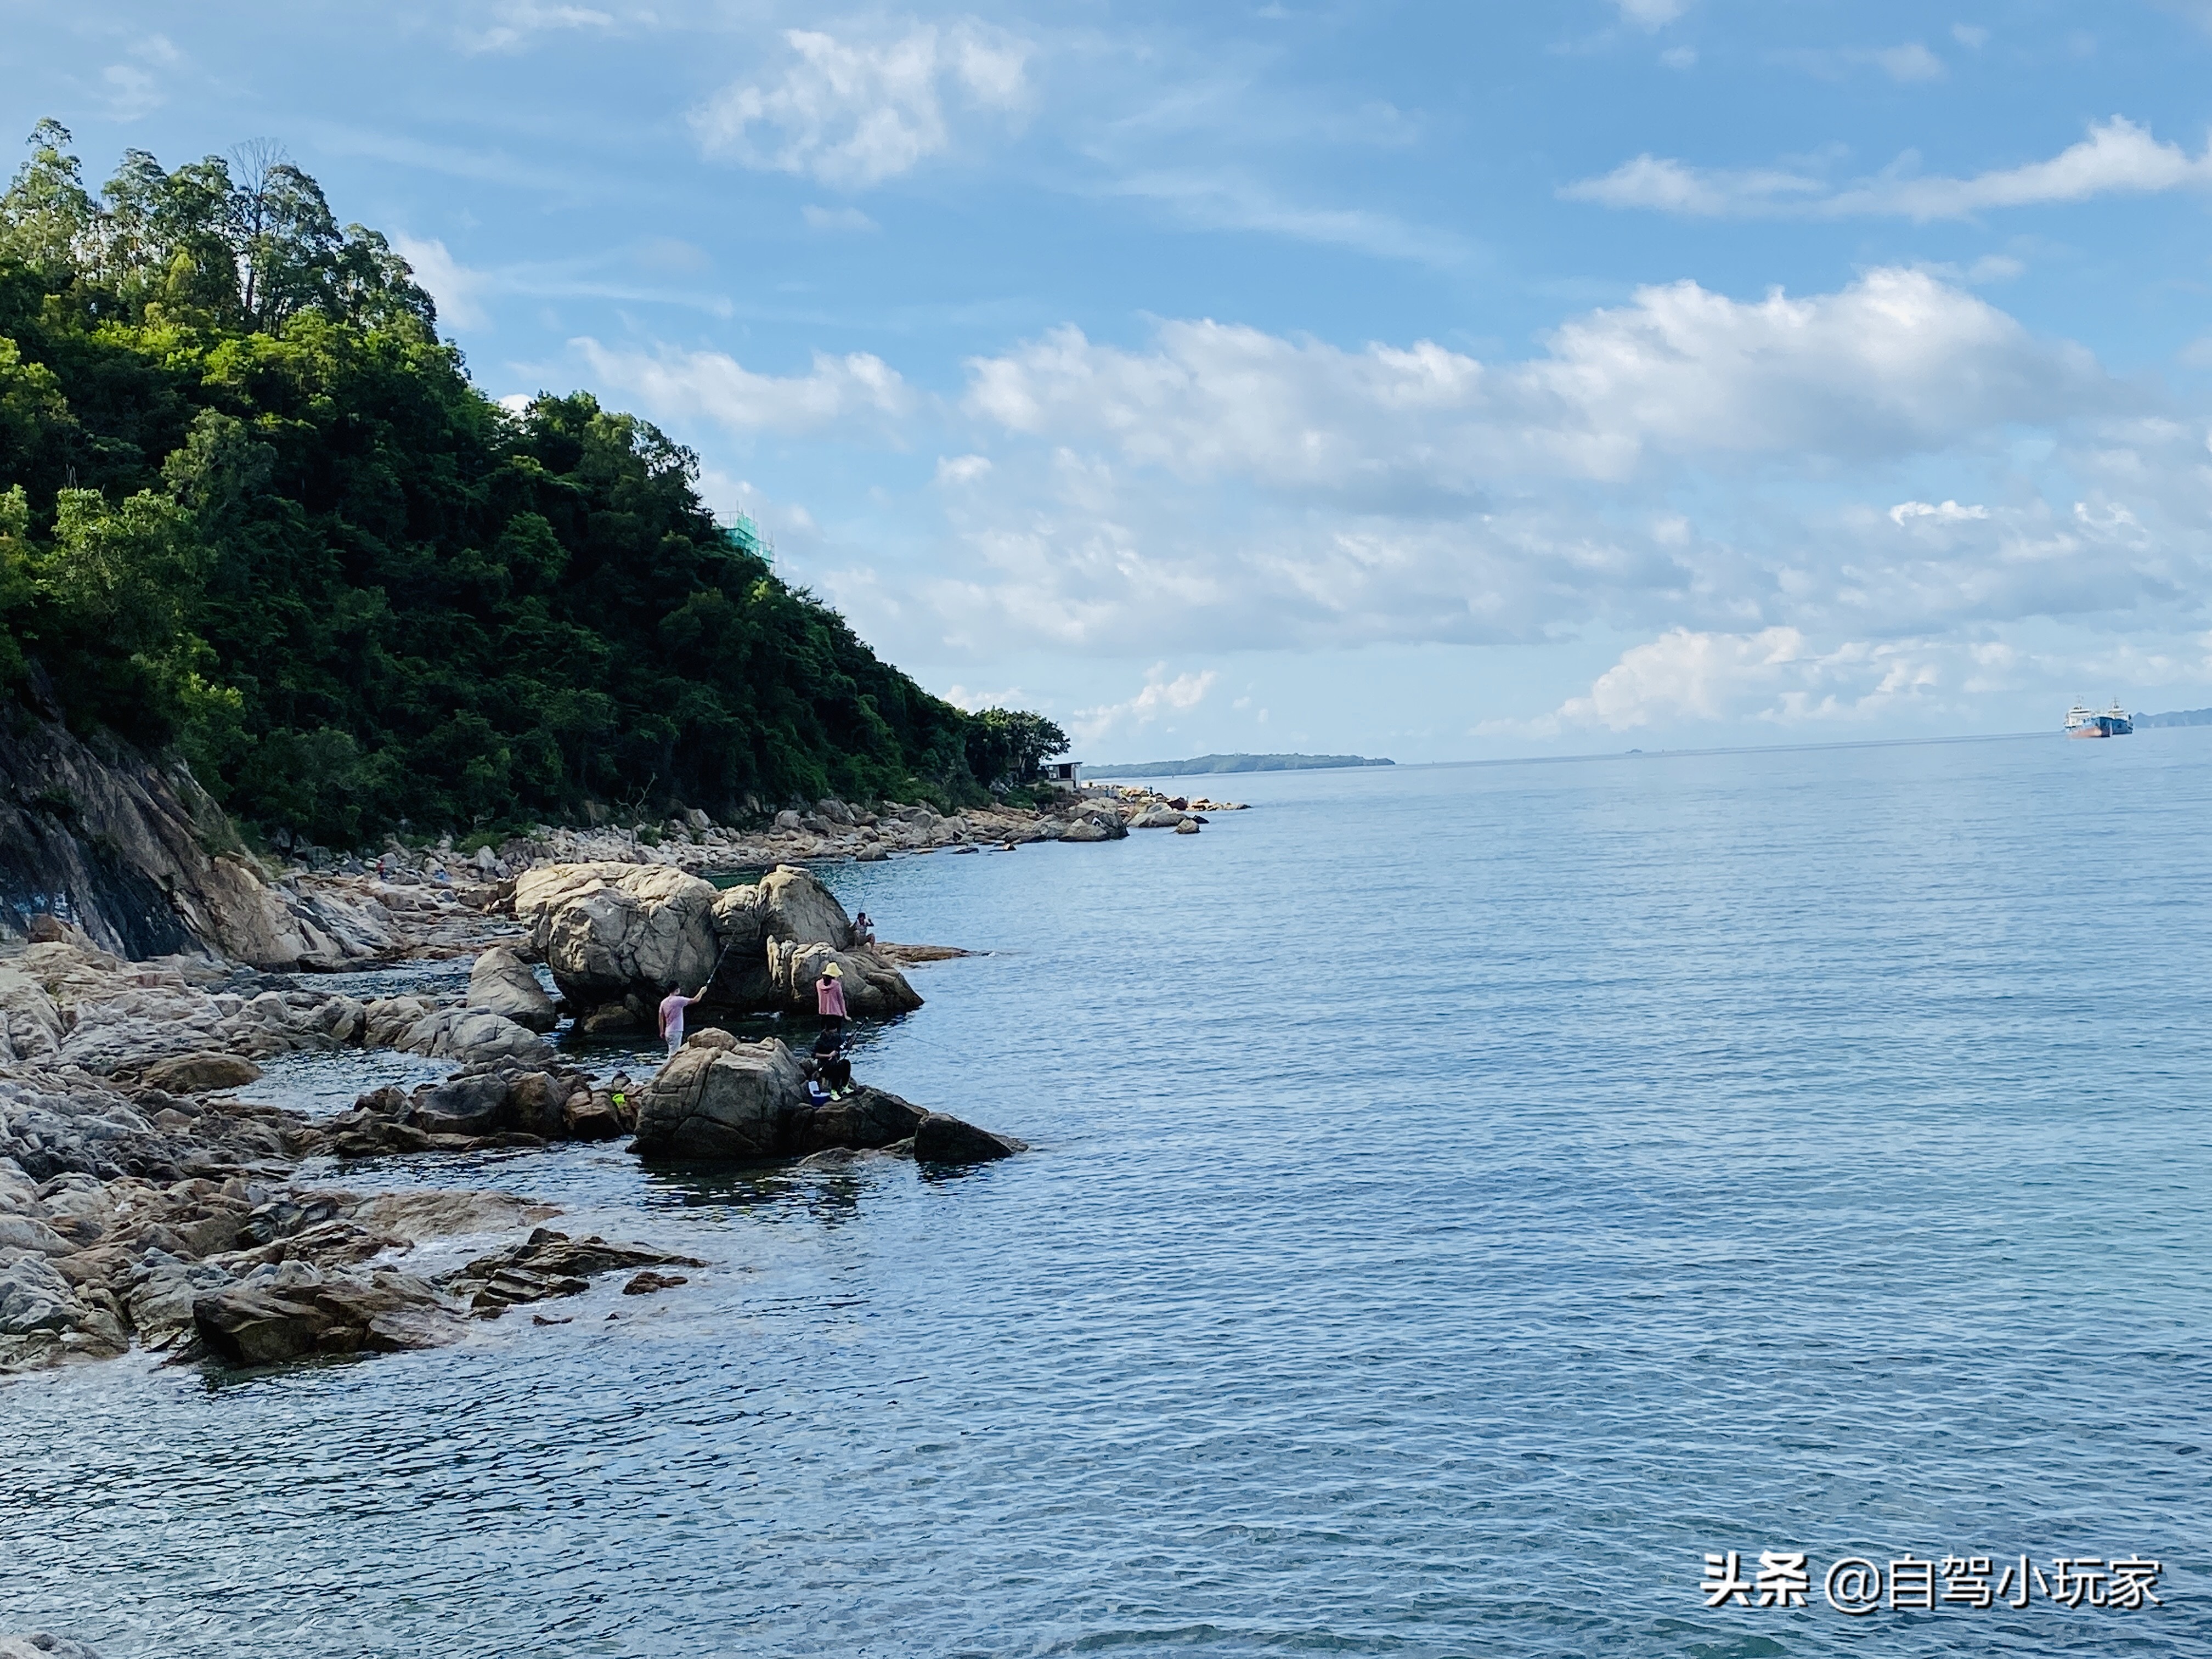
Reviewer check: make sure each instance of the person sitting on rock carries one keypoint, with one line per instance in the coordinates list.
(831, 1064)
(830, 997)
(671, 1017)
(864, 930)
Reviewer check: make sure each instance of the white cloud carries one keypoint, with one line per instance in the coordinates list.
(851, 112)
(131, 92)
(1896, 361)
(962, 469)
(1942, 512)
(1687, 678)
(1972, 36)
(516, 22)
(458, 288)
(835, 219)
(710, 384)
(1160, 698)
(2118, 157)
(1685, 459)
(1679, 58)
(961, 697)
(1652, 181)
(1651, 13)
(1229, 199)
(1909, 62)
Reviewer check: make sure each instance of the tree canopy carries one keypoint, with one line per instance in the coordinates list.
(252, 506)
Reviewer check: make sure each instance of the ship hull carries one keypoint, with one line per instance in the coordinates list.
(2101, 727)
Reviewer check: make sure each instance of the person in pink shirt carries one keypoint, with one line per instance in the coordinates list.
(830, 997)
(671, 1017)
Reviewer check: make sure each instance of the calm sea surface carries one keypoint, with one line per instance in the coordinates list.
(1463, 1198)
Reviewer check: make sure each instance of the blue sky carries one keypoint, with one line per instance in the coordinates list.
(1437, 381)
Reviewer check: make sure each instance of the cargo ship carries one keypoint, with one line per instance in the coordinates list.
(2082, 722)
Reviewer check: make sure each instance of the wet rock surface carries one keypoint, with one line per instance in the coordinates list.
(719, 1100)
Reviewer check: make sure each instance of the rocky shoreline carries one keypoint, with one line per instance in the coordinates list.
(146, 1200)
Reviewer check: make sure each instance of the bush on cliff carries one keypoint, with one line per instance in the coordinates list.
(253, 505)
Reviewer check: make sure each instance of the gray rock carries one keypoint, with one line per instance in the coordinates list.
(942, 1139)
(714, 1103)
(466, 1105)
(729, 1101)
(475, 1037)
(1187, 827)
(503, 983)
(614, 931)
(200, 1073)
(253, 1324)
(874, 988)
(40, 1645)
(22, 1232)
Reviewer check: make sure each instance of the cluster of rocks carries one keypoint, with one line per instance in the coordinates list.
(617, 936)
(69, 1003)
(142, 1200)
(721, 1098)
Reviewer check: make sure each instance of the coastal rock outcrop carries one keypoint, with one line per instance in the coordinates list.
(136, 856)
(874, 988)
(503, 983)
(719, 1100)
(617, 934)
(301, 1312)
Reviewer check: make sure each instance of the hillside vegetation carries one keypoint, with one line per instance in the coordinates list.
(252, 508)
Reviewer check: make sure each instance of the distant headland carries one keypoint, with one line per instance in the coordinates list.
(1205, 763)
(2179, 717)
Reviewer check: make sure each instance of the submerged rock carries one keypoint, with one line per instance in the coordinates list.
(550, 1264)
(387, 1313)
(940, 1139)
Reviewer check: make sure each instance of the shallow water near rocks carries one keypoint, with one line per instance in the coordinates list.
(1463, 1198)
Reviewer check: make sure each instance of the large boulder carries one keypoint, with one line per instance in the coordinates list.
(475, 1037)
(619, 932)
(721, 1103)
(503, 983)
(874, 988)
(787, 903)
(865, 1118)
(720, 1100)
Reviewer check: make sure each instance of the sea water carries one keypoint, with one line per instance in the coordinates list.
(1462, 1200)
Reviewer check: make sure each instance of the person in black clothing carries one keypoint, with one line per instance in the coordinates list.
(831, 1067)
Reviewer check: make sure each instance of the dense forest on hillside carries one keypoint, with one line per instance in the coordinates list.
(252, 508)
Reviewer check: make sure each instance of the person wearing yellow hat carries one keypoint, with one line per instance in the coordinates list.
(830, 997)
